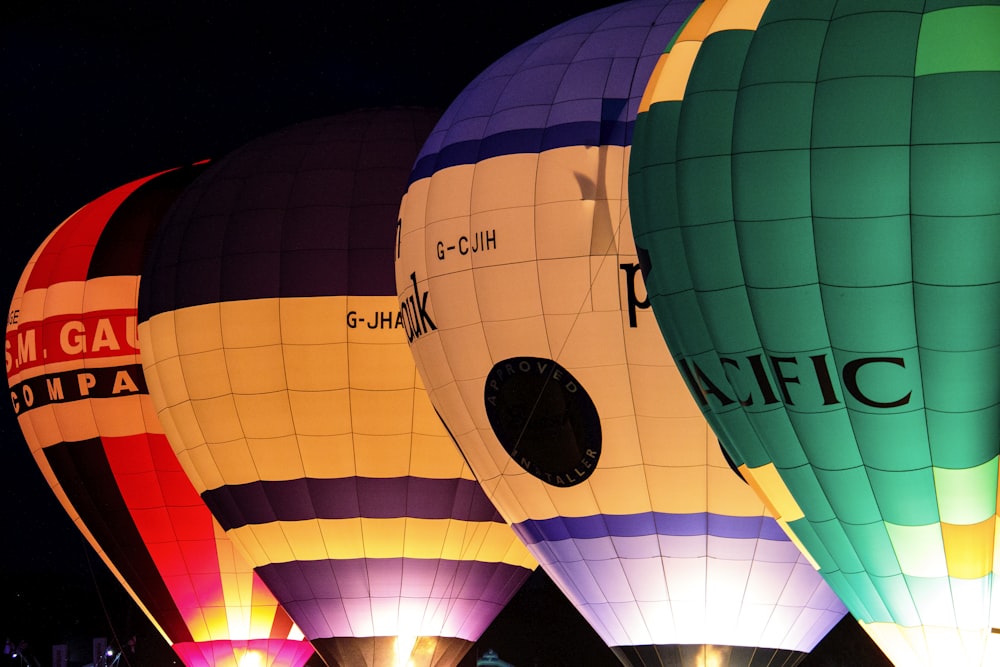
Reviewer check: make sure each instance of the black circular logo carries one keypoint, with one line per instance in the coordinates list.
(544, 419)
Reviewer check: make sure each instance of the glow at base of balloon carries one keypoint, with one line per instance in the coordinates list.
(523, 302)
(814, 192)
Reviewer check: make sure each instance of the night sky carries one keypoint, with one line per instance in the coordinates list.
(95, 94)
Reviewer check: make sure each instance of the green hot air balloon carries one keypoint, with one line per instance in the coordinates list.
(818, 202)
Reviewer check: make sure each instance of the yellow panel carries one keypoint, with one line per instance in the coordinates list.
(375, 320)
(560, 177)
(449, 197)
(41, 429)
(621, 443)
(513, 228)
(198, 329)
(265, 415)
(329, 456)
(387, 538)
(170, 375)
(740, 15)
(455, 289)
(512, 338)
(215, 419)
(730, 495)
(316, 367)
(425, 419)
(276, 458)
(343, 538)
(381, 412)
(306, 320)
(517, 490)
(437, 457)
(256, 370)
(563, 229)
(151, 423)
(516, 172)
(969, 548)
(605, 276)
(198, 469)
(382, 455)
(61, 298)
(564, 285)
(185, 426)
(305, 539)
(250, 323)
(157, 339)
(605, 379)
(234, 462)
(119, 415)
(381, 366)
(75, 420)
(677, 490)
(321, 413)
(767, 483)
(672, 442)
(272, 540)
(206, 375)
(108, 293)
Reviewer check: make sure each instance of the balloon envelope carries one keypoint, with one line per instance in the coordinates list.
(819, 204)
(522, 299)
(279, 366)
(80, 397)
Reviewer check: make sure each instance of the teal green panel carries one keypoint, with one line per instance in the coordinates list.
(805, 488)
(776, 432)
(870, 111)
(789, 319)
(842, 587)
(875, 319)
(706, 124)
(957, 108)
(773, 116)
(683, 325)
(841, 549)
(784, 10)
(713, 256)
(827, 439)
(892, 441)
(880, 245)
(868, 597)
(881, 382)
(771, 185)
(964, 439)
(848, 7)
(654, 206)
(975, 28)
(777, 253)
(804, 530)
(705, 184)
(720, 61)
(874, 549)
(870, 44)
(735, 428)
(934, 5)
(961, 381)
(727, 315)
(869, 182)
(956, 251)
(895, 595)
(768, 59)
(850, 494)
(967, 496)
(906, 498)
(668, 267)
(958, 318)
(955, 179)
(932, 597)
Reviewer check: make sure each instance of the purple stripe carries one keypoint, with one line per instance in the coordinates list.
(648, 523)
(322, 595)
(349, 497)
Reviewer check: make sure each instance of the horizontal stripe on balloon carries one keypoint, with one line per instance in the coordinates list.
(342, 539)
(648, 523)
(349, 497)
(76, 385)
(531, 140)
(332, 598)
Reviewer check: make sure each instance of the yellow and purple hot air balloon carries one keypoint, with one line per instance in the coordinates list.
(280, 369)
(819, 201)
(80, 396)
(524, 305)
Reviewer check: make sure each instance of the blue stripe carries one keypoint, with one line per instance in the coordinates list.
(583, 133)
(649, 523)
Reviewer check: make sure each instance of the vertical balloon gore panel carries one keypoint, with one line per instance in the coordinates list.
(81, 398)
(817, 210)
(278, 362)
(523, 301)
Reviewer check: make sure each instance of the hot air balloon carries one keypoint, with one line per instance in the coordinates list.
(80, 396)
(525, 309)
(819, 203)
(279, 366)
